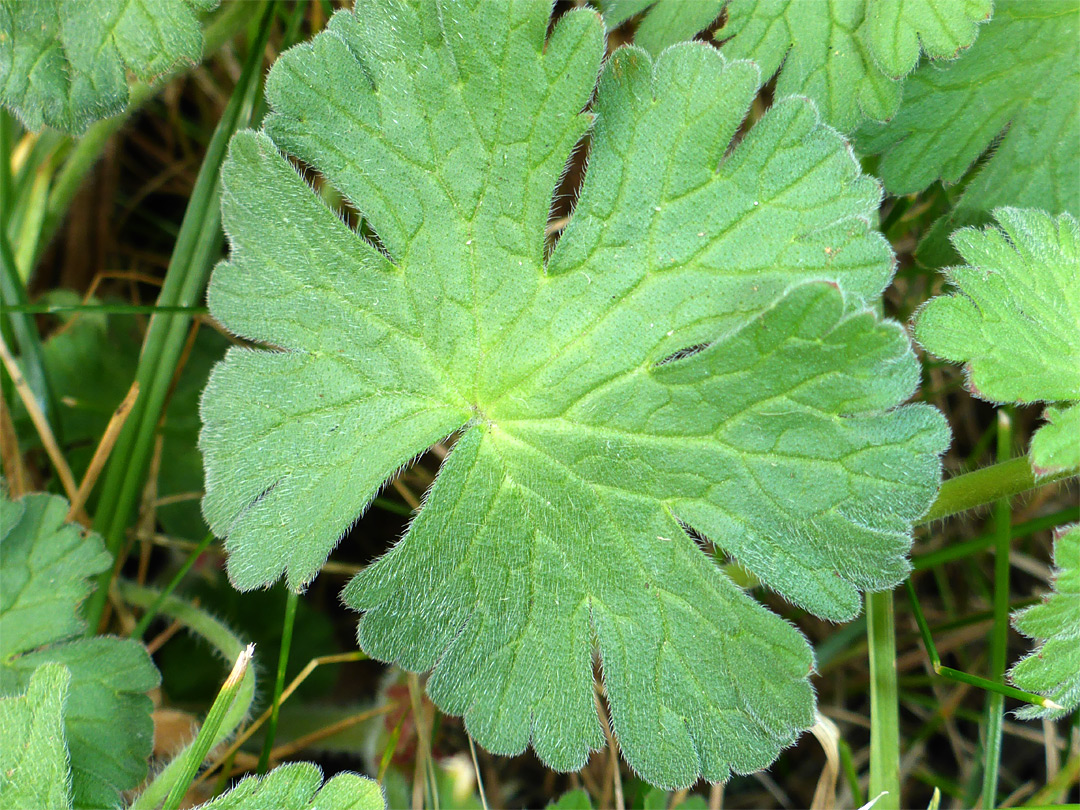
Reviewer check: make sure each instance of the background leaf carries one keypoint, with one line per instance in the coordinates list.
(63, 62)
(898, 29)
(824, 42)
(666, 23)
(46, 568)
(1018, 90)
(847, 54)
(698, 351)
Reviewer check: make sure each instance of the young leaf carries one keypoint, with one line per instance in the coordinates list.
(1055, 446)
(1018, 90)
(297, 785)
(33, 759)
(1053, 668)
(63, 63)
(847, 54)
(1014, 321)
(572, 800)
(685, 357)
(46, 568)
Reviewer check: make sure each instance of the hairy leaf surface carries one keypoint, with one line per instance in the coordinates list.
(1014, 321)
(33, 759)
(299, 786)
(46, 568)
(63, 63)
(1053, 668)
(1017, 91)
(697, 351)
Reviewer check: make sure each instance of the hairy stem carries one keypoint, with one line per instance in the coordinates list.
(988, 484)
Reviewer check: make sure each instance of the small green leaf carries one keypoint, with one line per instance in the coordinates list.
(33, 758)
(699, 350)
(1053, 668)
(1017, 90)
(572, 800)
(1014, 320)
(1055, 446)
(46, 568)
(297, 786)
(63, 63)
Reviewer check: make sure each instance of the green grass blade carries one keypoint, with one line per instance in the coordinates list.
(197, 248)
(884, 701)
(148, 616)
(12, 290)
(225, 642)
(999, 636)
(107, 309)
(193, 757)
(998, 687)
(956, 551)
(291, 600)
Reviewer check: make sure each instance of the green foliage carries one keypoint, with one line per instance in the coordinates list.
(46, 568)
(33, 759)
(1053, 668)
(684, 357)
(299, 786)
(656, 799)
(1016, 90)
(90, 362)
(64, 63)
(572, 800)
(848, 54)
(1014, 320)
